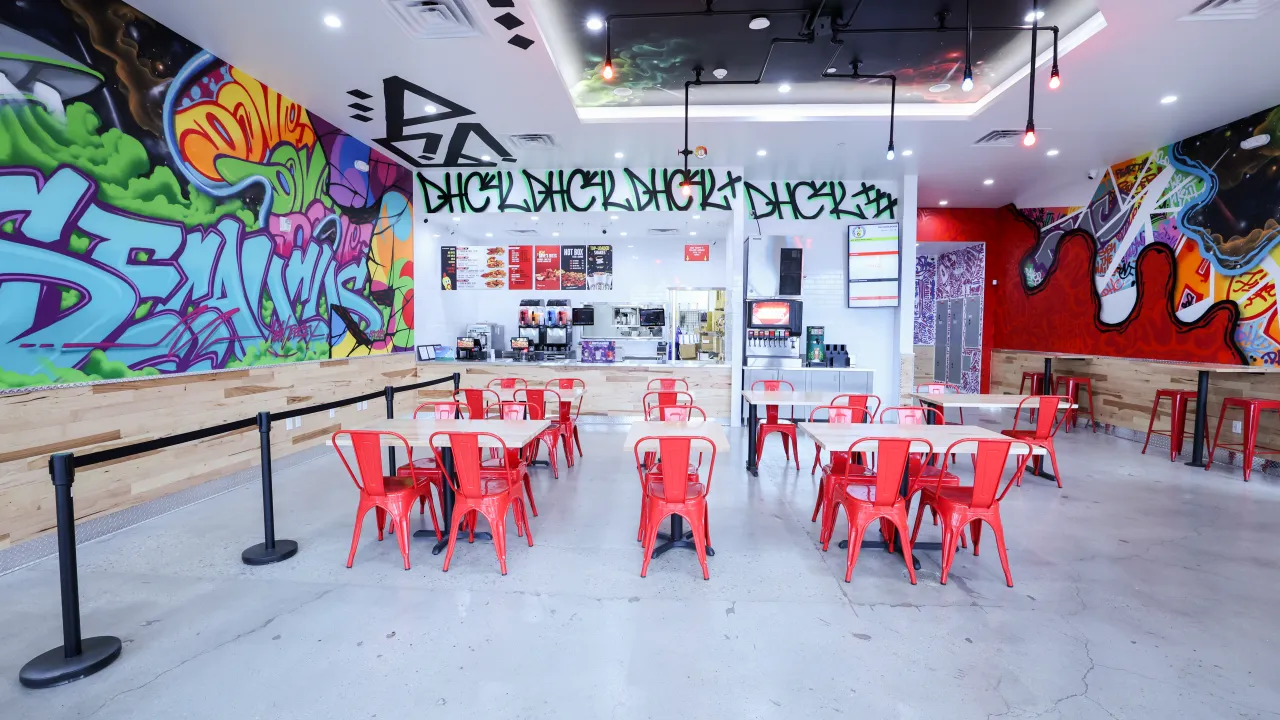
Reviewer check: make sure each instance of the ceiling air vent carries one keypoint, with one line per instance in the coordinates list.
(664, 231)
(522, 231)
(1000, 138)
(532, 141)
(1231, 10)
(432, 19)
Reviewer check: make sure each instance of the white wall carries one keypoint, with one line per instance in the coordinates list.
(871, 334)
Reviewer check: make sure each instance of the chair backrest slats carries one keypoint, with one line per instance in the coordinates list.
(366, 446)
(911, 415)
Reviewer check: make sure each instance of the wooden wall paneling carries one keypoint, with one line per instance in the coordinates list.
(924, 364)
(94, 417)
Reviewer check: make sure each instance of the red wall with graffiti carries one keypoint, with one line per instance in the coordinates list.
(1062, 314)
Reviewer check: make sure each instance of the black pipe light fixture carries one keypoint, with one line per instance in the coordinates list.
(759, 20)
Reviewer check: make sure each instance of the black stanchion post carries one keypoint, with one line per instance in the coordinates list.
(77, 658)
(271, 550)
(390, 393)
(457, 382)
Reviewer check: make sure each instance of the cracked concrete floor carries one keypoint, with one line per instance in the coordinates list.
(1144, 589)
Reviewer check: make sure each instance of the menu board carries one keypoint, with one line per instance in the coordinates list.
(573, 267)
(448, 267)
(526, 267)
(599, 267)
(520, 267)
(874, 266)
(546, 267)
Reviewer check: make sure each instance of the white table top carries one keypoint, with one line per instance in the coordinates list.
(565, 395)
(706, 428)
(958, 400)
(839, 436)
(785, 397)
(515, 433)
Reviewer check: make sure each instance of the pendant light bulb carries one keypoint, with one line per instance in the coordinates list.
(1055, 80)
(967, 85)
(1030, 138)
(889, 155)
(686, 189)
(607, 71)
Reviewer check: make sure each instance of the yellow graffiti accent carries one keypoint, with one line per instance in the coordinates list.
(246, 120)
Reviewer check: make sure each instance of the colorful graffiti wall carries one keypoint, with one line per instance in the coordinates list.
(163, 212)
(926, 300)
(1211, 203)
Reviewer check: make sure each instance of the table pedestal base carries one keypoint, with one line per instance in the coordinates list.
(440, 546)
(685, 539)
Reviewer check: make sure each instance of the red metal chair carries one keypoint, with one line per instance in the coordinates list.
(477, 401)
(676, 493)
(1252, 409)
(651, 463)
(387, 495)
(883, 500)
(840, 472)
(668, 384)
(480, 490)
(1073, 386)
(861, 402)
(512, 410)
(1045, 413)
(424, 469)
(923, 468)
(676, 413)
(774, 424)
(537, 399)
(972, 505)
(1177, 419)
(1037, 383)
(942, 388)
(659, 398)
(570, 410)
(507, 383)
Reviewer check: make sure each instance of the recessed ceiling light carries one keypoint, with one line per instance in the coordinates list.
(333, 21)
(720, 73)
(456, 218)
(533, 218)
(908, 153)
(1168, 99)
(784, 88)
(940, 88)
(832, 71)
(435, 235)
(623, 233)
(631, 246)
(430, 109)
(613, 217)
(1031, 16)
(488, 234)
(619, 155)
(555, 234)
(693, 233)
(942, 202)
(697, 217)
(1052, 152)
(758, 22)
(761, 152)
(622, 91)
(988, 181)
(595, 24)
(485, 158)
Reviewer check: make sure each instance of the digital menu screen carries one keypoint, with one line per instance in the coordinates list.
(874, 269)
(774, 314)
(519, 343)
(466, 343)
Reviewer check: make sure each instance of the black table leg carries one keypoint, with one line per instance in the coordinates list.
(751, 440)
(677, 538)
(446, 509)
(1202, 420)
(1047, 387)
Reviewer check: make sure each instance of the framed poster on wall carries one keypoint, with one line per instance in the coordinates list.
(874, 269)
(546, 266)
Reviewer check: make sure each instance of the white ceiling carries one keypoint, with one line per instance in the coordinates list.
(1107, 110)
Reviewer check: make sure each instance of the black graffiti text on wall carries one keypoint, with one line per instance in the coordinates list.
(417, 123)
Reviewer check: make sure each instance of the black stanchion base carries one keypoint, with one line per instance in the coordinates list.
(1195, 464)
(54, 668)
(260, 555)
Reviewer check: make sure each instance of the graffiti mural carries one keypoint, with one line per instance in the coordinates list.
(1213, 202)
(652, 189)
(162, 212)
(960, 275)
(926, 307)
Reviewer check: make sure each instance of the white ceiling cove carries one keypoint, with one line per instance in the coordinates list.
(503, 81)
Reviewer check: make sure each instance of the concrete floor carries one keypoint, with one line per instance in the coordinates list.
(1144, 589)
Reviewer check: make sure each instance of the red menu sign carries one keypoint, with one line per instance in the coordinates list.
(546, 267)
(697, 253)
(520, 267)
